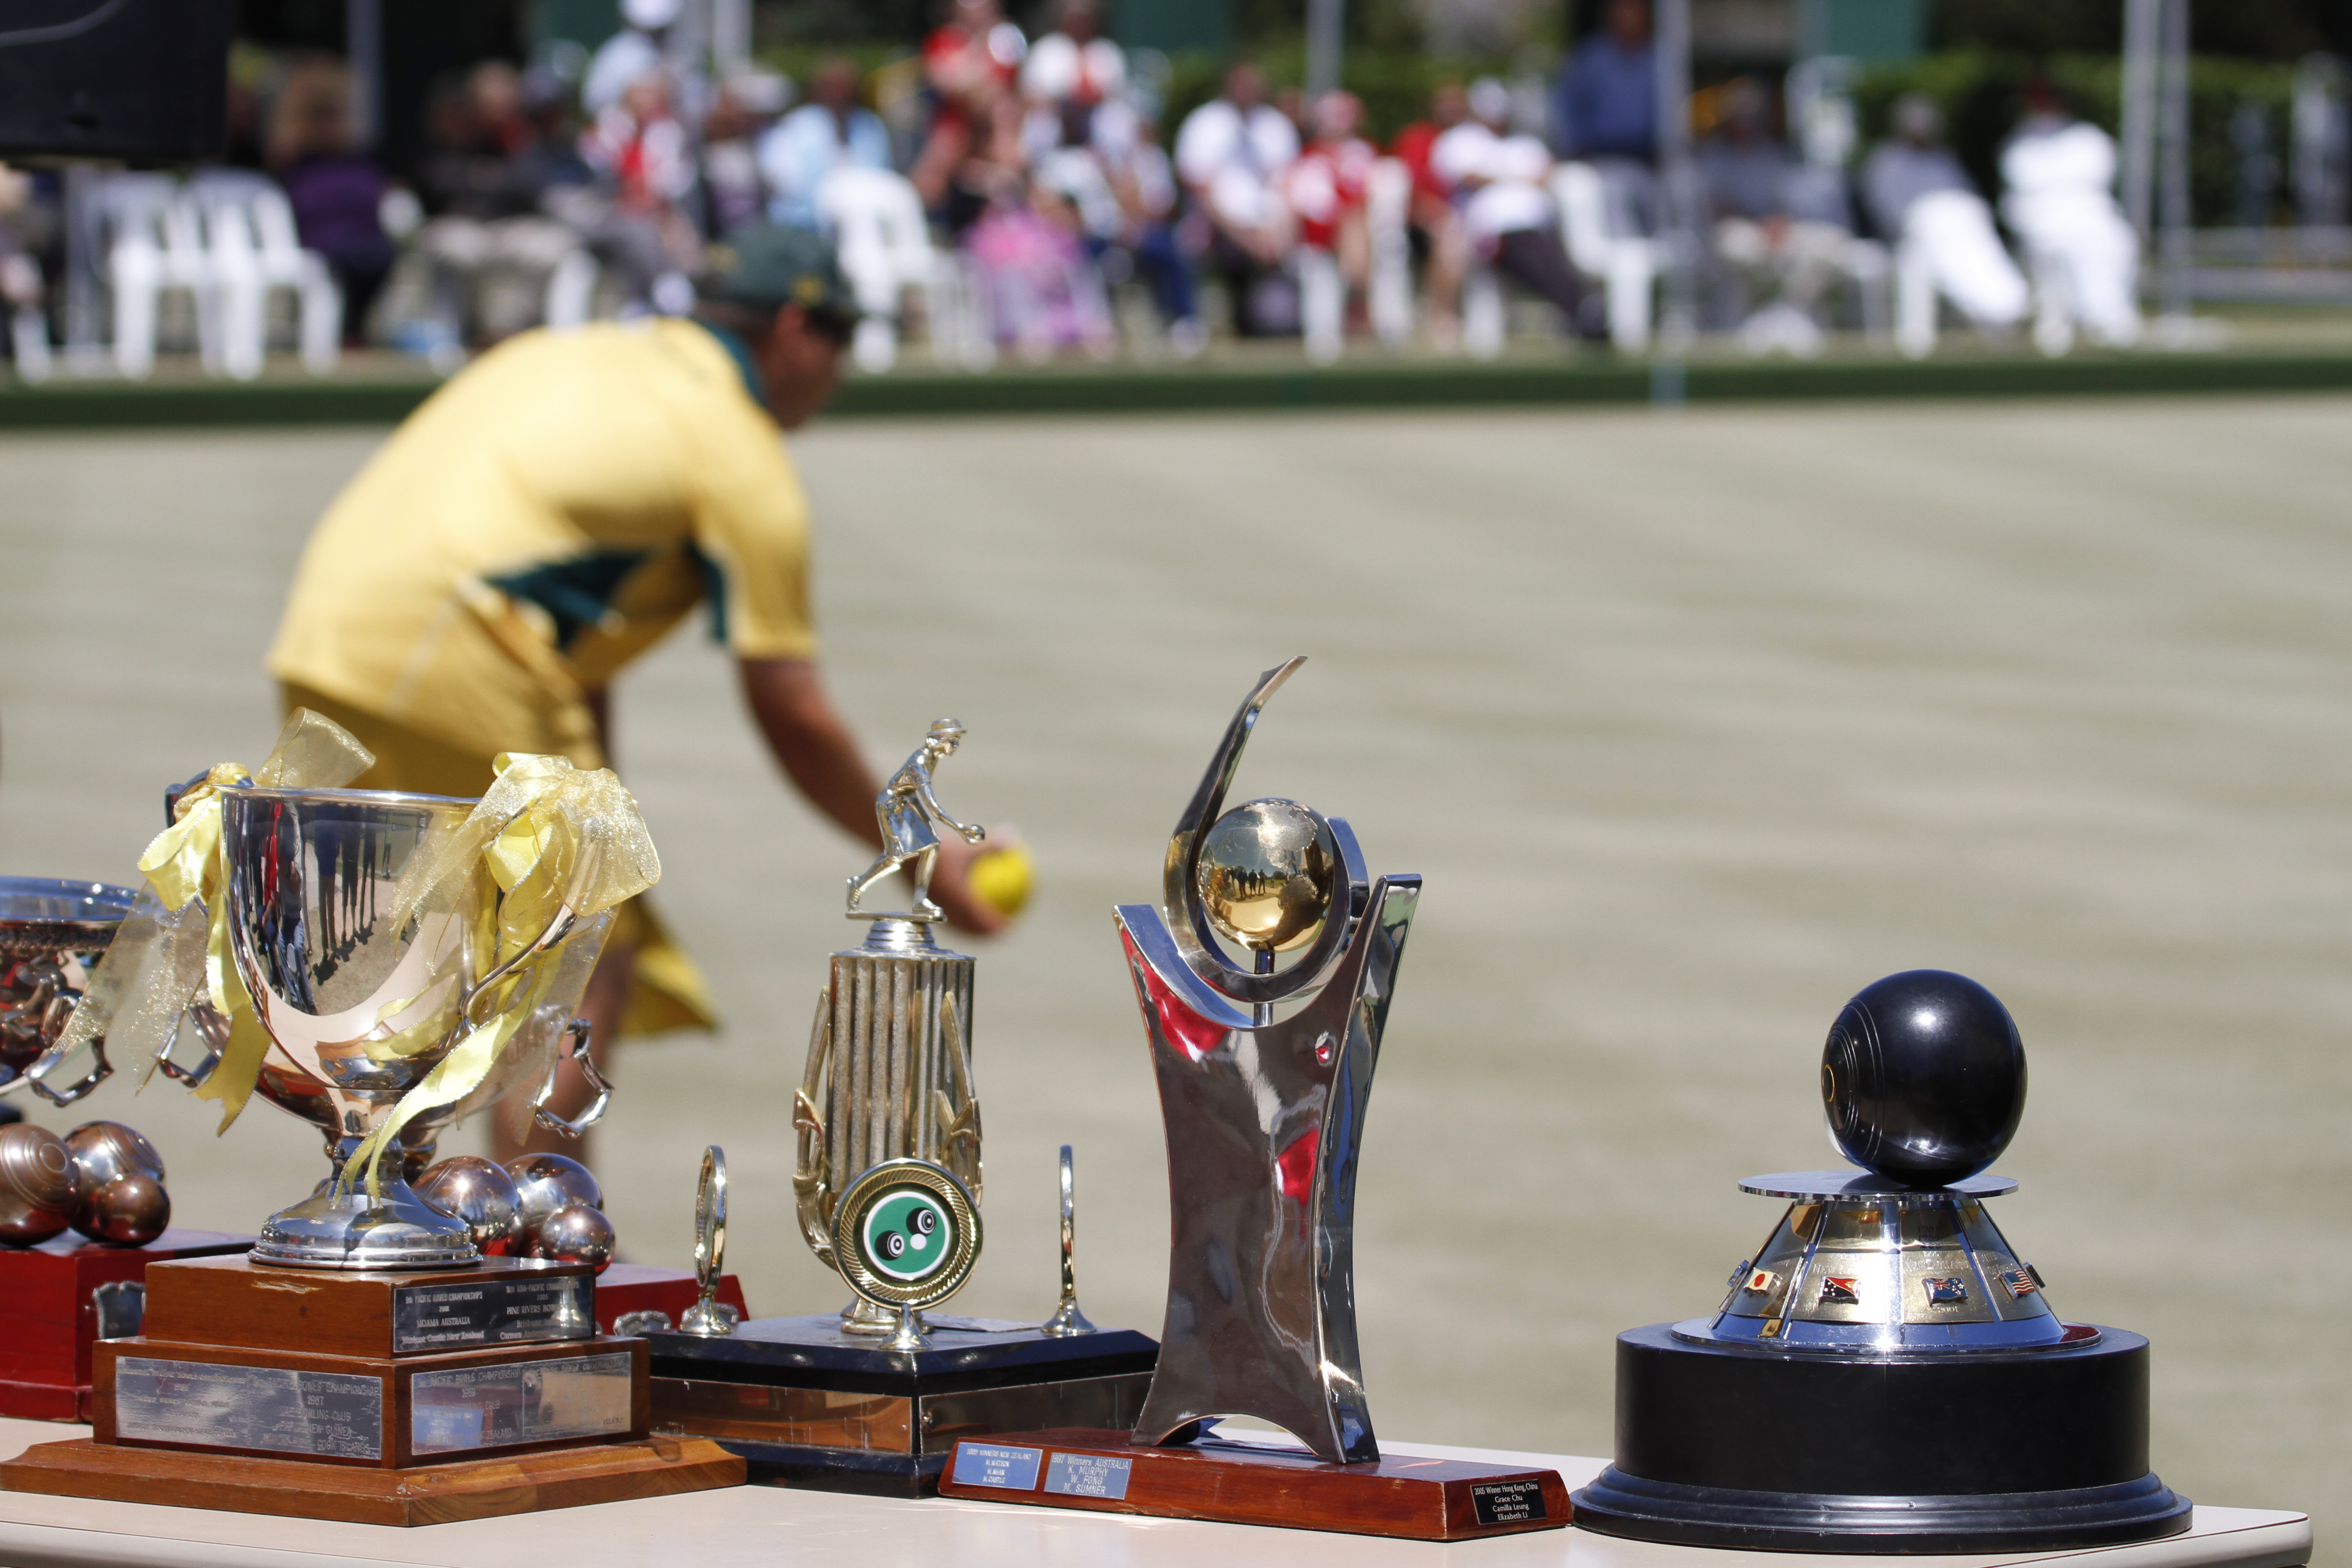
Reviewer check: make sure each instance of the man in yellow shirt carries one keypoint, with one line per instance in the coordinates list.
(552, 512)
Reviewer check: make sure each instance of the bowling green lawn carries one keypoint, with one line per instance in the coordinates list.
(1694, 723)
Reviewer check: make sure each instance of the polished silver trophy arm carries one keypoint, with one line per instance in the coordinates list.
(710, 1318)
(1068, 1321)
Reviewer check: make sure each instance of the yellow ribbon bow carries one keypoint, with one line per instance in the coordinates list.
(173, 949)
(563, 845)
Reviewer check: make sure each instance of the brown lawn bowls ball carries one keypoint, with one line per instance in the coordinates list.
(37, 1186)
(129, 1211)
(546, 1183)
(103, 1153)
(576, 1234)
(480, 1193)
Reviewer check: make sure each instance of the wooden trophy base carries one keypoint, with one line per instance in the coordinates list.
(1249, 1483)
(49, 1313)
(429, 1494)
(379, 1397)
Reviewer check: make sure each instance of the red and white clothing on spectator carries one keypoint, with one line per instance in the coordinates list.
(651, 162)
(1411, 148)
(1325, 186)
(1496, 181)
(1060, 69)
(956, 59)
(1235, 162)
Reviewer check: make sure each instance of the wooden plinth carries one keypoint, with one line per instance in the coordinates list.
(47, 1319)
(436, 1494)
(393, 1312)
(391, 1397)
(1242, 1483)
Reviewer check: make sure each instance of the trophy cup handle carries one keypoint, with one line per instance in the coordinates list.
(576, 1045)
(38, 1075)
(213, 1025)
(812, 1195)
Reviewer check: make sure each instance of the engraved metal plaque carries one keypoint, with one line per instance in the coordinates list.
(326, 1414)
(1506, 1502)
(523, 1401)
(987, 1465)
(492, 1313)
(1089, 1474)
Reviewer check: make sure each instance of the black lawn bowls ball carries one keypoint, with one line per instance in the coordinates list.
(1923, 1078)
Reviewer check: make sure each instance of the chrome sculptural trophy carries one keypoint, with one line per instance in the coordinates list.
(358, 1010)
(889, 1063)
(1264, 1119)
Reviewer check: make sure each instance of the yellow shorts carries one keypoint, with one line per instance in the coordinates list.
(670, 992)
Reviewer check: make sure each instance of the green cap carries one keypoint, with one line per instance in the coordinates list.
(766, 266)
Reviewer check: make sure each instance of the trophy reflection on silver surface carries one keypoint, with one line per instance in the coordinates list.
(51, 935)
(1264, 1118)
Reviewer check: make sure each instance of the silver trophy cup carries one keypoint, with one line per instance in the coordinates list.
(51, 934)
(360, 1009)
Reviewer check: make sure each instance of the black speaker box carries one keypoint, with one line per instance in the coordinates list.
(143, 81)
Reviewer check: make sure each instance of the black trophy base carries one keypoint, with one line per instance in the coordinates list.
(804, 1405)
(1724, 1444)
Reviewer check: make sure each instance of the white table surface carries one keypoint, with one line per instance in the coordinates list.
(741, 1527)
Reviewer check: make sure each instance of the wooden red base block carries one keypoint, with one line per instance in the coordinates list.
(627, 1288)
(1247, 1483)
(435, 1494)
(49, 1317)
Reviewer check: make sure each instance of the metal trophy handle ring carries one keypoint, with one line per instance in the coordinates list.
(578, 1047)
(710, 1318)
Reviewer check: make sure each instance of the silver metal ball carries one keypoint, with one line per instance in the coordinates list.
(129, 1211)
(546, 1183)
(478, 1191)
(103, 1153)
(37, 1186)
(576, 1234)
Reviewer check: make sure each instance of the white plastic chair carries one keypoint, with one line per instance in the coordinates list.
(1949, 251)
(250, 233)
(1388, 204)
(885, 250)
(1322, 305)
(156, 242)
(1626, 264)
(1485, 317)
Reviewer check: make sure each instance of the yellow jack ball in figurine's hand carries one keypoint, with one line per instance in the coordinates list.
(1001, 878)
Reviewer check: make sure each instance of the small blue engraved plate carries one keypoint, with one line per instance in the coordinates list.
(985, 1465)
(1089, 1474)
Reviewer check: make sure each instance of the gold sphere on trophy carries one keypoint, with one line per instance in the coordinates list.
(1265, 875)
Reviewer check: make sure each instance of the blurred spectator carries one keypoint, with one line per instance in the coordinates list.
(2060, 172)
(1606, 102)
(22, 294)
(645, 155)
(337, 192)
(1075, 64)
(1324, 187)
(485, 180)
(1781, 228)
(734, 192)
(628, 55)
(1120, 183)
(1437, 228)
(974, 54)
(1230, 153)
(828, 132)
(1500, 184)
(1922, 200)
